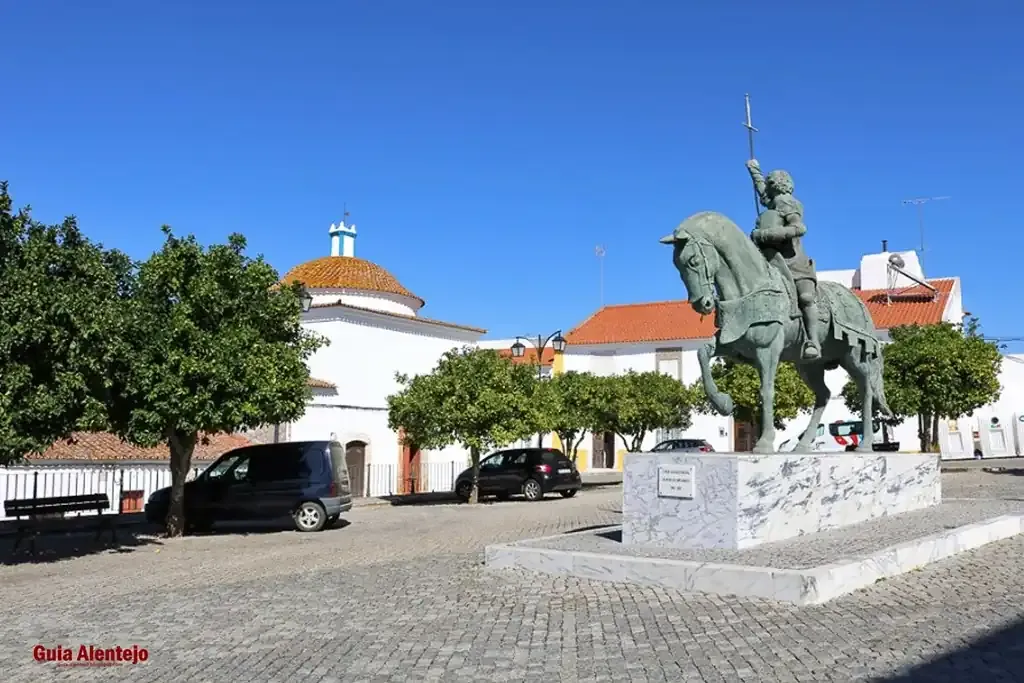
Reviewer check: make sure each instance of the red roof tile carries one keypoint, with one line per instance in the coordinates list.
(676, 320)
(530, 357)
(103, 446)
(319, 383)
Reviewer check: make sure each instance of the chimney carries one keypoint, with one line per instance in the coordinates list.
(885, 246)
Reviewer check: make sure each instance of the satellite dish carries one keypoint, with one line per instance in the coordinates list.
(897, 260)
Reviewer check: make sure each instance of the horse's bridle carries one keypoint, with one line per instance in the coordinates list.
(709, 280)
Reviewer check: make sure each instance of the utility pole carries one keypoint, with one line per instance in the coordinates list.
(919, 202)
(599, 252)
(748, 124)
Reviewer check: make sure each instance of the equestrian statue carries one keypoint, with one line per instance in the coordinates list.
(769, 307)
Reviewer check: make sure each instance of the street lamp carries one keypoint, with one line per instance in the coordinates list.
(557, 342)
(307, 300)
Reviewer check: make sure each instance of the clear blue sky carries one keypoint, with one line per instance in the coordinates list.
(485, 148)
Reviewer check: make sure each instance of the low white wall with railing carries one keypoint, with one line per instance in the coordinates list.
(135, 482)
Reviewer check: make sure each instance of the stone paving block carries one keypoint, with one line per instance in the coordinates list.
(401, 595)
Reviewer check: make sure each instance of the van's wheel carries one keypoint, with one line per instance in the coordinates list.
(532, 490)
(310, 516)
(463, 489)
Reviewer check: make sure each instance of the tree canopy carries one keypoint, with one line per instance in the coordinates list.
(60, 307)
(211, 343)
(572, 404)
(636, 403)
(941, 371)
(741, 381)
(474, 398)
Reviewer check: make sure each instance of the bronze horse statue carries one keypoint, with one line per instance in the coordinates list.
(757, 322)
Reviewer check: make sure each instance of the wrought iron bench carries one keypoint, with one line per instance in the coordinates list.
(34, 514)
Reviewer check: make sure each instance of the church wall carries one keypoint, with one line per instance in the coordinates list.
(361, 361)
(363, 357)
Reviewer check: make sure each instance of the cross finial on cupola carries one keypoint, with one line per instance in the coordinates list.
(343, 237)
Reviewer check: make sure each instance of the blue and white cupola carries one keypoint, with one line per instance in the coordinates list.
(343, 239)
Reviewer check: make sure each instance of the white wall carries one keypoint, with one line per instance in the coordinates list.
(365, 353)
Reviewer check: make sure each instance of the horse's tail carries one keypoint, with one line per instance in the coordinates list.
(878, 387)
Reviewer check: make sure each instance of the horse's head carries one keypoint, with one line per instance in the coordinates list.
(697, 261)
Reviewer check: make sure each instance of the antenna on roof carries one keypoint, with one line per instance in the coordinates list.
(919, 202)
(600, 252)
(344, 213)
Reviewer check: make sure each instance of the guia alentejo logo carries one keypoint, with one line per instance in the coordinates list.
(90, 655)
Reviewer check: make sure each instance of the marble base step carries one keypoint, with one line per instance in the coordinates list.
(811, 569)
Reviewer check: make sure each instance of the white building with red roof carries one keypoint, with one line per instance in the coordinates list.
(664, 336)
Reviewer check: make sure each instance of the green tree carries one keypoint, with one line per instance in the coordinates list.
(60, 302)
(474, 398)
(941, 371)
(212, 344)
(742, 382)
(636, 403)
(572, 403)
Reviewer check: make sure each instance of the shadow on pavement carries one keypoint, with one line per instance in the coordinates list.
(593, 527)
(993, 658)
(74, 542)
(257, 527)
(444, 498)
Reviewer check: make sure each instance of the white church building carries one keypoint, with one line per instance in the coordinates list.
(375, 330)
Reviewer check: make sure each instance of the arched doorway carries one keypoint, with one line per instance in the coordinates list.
(355, 459)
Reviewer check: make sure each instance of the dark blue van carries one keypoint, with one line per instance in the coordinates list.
(305, 480)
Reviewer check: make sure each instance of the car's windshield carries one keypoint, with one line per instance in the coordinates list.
(217, 469)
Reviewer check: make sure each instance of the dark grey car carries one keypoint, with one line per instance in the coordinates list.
(684, 446)
(306, 480)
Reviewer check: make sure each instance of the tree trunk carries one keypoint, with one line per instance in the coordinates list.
(576, 448)
(637, 442)
(182, 444)
(928, 427)
(935, 433)
(474, 494)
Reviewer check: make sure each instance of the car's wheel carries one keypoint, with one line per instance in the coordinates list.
(568, 494)
(532, 490)
(463, 489)
(310, 516)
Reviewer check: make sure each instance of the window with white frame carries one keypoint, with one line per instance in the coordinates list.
(670, 362)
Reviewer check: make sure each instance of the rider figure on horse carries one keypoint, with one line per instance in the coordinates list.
(780, 229)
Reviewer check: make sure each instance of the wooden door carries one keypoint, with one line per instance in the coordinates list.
(744, 436)
(355, 460)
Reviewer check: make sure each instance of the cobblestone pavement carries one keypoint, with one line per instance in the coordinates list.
(400, 595)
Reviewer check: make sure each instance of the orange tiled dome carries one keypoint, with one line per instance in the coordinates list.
(330, 272)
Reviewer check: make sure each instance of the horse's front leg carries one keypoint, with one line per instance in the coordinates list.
(720, 401)
(767, 363)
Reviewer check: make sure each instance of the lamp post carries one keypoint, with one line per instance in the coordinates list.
(307, 300)
(557, 342)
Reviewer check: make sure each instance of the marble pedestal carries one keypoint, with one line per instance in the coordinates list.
(741, 500)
